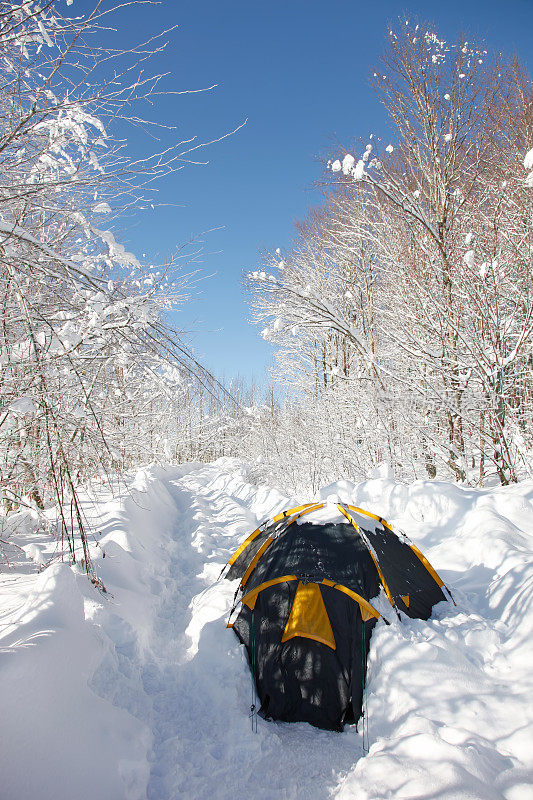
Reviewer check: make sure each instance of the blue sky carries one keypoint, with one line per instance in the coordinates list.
(298, 71)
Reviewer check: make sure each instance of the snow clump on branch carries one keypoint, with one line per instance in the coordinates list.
(528, 164)
(349, 167)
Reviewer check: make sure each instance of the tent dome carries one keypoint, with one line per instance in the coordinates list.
(305, 611)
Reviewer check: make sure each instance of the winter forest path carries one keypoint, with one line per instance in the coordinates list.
(447, 717)
(143, 694)
(197, 677)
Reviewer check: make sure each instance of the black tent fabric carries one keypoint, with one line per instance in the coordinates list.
(410, 581)
(306, 619)
(319, 551)
(302, 679)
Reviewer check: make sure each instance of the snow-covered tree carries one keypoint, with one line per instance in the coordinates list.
(406, 301)
(92, 377)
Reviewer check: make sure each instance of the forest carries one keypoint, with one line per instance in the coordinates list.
(401, 315)
(169, 628)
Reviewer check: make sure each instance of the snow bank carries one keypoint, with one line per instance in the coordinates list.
(143, 693)
(59, 738)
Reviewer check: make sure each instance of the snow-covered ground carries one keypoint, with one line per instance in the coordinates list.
(145, 693)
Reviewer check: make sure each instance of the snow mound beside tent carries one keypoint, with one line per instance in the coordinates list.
(144, 693)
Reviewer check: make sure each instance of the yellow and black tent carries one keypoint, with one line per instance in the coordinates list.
(304, 610)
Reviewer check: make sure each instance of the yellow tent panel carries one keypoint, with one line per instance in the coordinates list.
(308, 617)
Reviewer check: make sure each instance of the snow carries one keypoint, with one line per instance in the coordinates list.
(528, 160)
(59, 728)
(468, 258)
(23, 406)
(143, 692)
(35, 553)
(117, 251)
(359, 170)
(347, 164)
(383, 470)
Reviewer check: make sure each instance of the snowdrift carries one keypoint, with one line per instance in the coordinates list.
(144, 693)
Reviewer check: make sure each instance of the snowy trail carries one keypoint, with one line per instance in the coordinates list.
(203, 745)
(148, 693)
